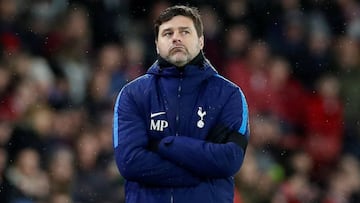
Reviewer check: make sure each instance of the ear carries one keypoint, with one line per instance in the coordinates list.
(201, 39)
(157, 49)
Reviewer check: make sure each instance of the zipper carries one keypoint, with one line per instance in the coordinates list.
(177, 118)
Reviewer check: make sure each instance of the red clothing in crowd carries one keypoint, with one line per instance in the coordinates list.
(252, 82)
(287, 102)
(324, 128)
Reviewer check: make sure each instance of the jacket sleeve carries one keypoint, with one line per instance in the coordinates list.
(134, 161)
(212, 160)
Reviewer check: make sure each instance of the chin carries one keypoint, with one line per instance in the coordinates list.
(180, 62)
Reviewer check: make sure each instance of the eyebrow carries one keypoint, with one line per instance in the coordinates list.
(180, 28)
(184, 28)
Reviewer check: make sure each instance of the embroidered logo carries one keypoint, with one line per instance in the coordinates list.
(158, 125)
(152, 115)
(201, 114)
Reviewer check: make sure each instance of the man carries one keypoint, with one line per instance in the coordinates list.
(181, 130)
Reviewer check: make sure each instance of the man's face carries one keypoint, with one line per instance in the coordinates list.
(178, 42)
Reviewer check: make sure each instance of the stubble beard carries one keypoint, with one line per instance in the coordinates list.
(179, 58)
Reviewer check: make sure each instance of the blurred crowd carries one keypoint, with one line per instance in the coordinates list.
(63, 62)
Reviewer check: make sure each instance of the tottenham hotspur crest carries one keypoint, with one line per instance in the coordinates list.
(201, 114)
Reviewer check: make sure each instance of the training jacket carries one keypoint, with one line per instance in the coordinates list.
(178, 107)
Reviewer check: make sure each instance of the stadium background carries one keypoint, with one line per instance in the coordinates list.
(63, 62)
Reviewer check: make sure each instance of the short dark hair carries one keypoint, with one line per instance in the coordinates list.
(180, 10)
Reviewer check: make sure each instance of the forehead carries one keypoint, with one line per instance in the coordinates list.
(177, 22)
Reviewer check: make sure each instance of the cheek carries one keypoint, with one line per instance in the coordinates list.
(161, 47)
(195, 47)
(160, 50)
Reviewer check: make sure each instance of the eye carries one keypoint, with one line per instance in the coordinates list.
(167, 34)
(185, 32)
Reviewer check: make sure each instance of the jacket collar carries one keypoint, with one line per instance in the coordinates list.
(199, 66)
(197, 61)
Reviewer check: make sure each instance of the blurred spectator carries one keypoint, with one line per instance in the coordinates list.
(237, 12)
(98, 98)
(351, 12)
(344, 183)
(106, 161)
(347, 63)
(111, 59)
(266, 132)
(253, 182)
(286, 99)
(74, 50)
(105, 142)
(92, 184)
(237, 41)
(68, 123)
(109, 20)
(5, 186)
(37, 20)
(286, 35)
(63, 62)
(324, 126)
(30, 83)
(61, 169)
(261, 172)
(108, 77)
(60, 198)
(88, 184)
(212, 28)
(6, 93)
(35, 132)
(148, 36)
(251, 74)
(134, 55)
(297, 188)
(331, 13)
(6, 130)
(35, 70)
(29, 179)
(11, 43)
(319, 56)
(9, 12)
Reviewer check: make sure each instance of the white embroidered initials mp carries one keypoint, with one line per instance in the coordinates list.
(158, 125)
(201, 114)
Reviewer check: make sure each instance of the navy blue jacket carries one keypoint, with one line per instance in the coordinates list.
(178, 107)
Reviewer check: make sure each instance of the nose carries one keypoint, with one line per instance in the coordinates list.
(176, 37)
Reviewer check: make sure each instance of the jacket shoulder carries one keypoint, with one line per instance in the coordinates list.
(223, 88)
(223, 82)
(139, 84)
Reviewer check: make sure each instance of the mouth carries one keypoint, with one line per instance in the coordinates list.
(175, 49)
